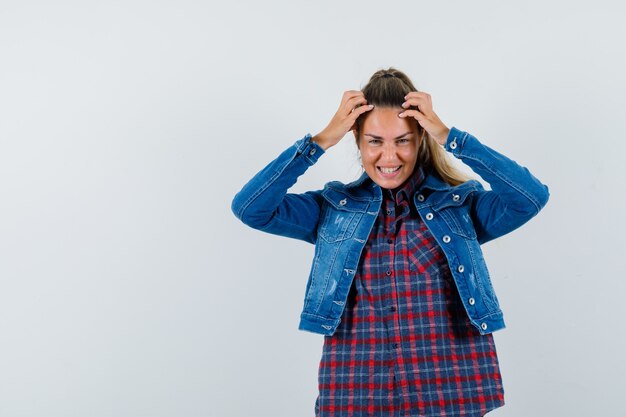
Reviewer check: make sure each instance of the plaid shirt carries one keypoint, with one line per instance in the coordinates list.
(405, 346)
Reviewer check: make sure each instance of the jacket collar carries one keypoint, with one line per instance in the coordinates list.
(433, 182)
(365, 189)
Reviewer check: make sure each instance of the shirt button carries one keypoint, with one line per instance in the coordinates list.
(312, 152)
(461, 268)
(389, 212)
(395, 345)
(390, 241)
(429, 216)
(471, 301)
(446, 239)
(343, 202)
(392, 308)
(456, 197)
(420, 197)
(483, 326)
(388, 272)
(453, 144)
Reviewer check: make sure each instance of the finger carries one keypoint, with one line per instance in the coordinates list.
(349, 95)
(355, 103)
(421, 106)
(357, 111)
(418, 94)
(357, 98)
(419, 101)
(415, 99)
(354, 115)
(417, 115)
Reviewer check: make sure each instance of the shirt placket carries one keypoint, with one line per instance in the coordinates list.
(393, 215)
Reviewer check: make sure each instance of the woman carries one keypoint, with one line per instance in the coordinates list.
(398, 286)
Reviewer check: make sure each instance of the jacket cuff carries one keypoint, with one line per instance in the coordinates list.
(454, 142)
(309, 149)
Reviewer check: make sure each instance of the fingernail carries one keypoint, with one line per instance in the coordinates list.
(401, 114)
(371, 105)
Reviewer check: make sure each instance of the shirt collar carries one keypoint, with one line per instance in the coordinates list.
(410, 186)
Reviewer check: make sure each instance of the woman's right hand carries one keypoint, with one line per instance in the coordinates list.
(353, 104)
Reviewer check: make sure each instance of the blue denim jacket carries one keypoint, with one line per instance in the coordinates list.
(338, 220)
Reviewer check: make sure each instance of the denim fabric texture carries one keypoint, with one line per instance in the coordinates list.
(338, 220)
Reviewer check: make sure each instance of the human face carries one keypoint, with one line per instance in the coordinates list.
(388, 146)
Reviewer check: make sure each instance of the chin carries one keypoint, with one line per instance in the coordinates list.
(390, 184)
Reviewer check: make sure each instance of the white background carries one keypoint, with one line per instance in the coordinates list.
(127, 286)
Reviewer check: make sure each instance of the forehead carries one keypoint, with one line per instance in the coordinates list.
(385, 122)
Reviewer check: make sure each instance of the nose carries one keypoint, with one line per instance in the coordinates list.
(389, 152)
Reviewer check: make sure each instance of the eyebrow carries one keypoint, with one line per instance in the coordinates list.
(378, 137)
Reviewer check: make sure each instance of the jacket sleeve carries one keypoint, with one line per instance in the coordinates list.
(264, 204)
(515, 197)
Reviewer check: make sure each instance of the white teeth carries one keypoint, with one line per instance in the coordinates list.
(389, 170)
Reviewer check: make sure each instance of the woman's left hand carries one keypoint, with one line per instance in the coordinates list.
(425, 116)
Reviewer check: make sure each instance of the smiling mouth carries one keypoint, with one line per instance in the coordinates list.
(389, 170)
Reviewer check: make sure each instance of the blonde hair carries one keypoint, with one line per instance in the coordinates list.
(387, 88)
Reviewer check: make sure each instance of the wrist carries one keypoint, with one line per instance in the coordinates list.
(442, 136)
(321, 142)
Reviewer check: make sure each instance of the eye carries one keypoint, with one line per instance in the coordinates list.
(403, 140)
(374, 141)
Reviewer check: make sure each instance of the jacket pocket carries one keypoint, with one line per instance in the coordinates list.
(340, 216)
(454, 209)
(459, 221)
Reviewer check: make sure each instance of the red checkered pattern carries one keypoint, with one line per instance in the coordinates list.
(405, 346)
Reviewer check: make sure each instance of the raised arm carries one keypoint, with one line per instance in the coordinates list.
(264, 204)
(515, 196)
